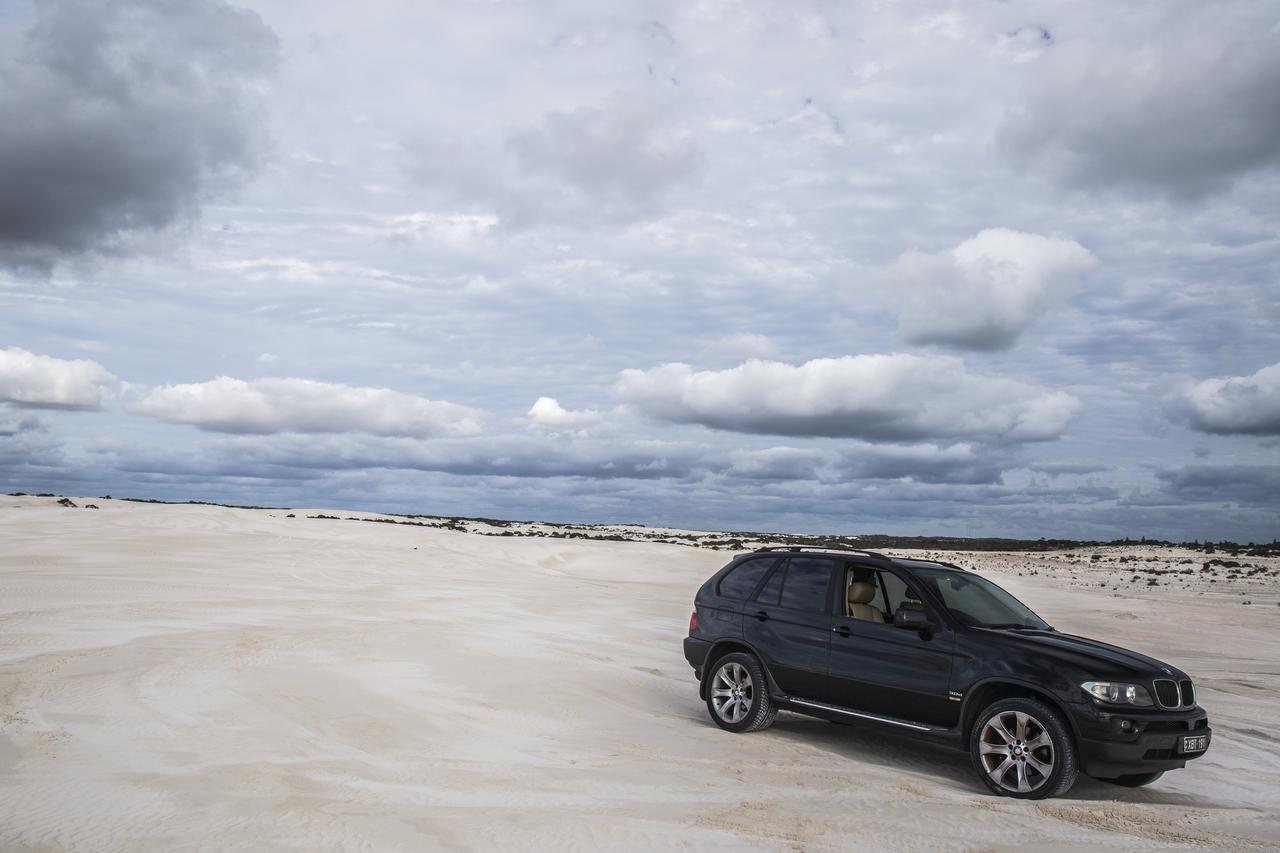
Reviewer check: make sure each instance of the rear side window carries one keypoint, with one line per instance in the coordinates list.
(742, 579)
(806, 584)
(772, 588)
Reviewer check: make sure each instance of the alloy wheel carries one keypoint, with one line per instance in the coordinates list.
(732, 692)
(1016, 751)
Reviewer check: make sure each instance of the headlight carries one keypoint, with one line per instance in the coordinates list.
(1117, 693)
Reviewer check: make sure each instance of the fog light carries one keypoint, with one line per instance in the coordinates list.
(1126, 726)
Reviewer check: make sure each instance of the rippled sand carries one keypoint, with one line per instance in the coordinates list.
(195, 677)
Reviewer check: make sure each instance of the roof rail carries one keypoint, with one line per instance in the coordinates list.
(837, 548)
(935, 562)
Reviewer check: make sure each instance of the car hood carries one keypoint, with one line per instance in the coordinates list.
(1092, 656)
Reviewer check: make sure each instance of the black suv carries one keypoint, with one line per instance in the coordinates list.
(929, 648)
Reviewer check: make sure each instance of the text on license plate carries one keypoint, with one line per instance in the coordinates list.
(1195, 743)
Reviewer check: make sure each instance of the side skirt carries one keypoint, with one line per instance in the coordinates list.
(828, 711)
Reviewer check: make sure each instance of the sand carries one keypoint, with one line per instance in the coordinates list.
(197, 677)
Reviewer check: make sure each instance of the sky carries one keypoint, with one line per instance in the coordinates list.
(975, 269)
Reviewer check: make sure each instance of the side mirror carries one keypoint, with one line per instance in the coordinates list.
(915, 620)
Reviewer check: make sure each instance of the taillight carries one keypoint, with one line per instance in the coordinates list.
(693, 621)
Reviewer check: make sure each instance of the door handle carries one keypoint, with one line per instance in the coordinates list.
(761, 615)
(842, 630)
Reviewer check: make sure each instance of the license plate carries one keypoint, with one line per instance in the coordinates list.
(1195, 743)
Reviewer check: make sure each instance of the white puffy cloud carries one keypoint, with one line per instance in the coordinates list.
(547, 414)
(41, 381)
(266, 406)
(876, 397)
(985, 292)
(1237, 404)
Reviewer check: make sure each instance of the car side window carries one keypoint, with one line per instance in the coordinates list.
(772, 589)
(806, 585)
(896, 594)
(878, 600)
(863, 574)
(743, 578)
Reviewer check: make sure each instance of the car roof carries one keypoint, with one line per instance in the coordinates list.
(832, 551)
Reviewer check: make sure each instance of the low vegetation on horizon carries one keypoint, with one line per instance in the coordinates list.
(737, 540)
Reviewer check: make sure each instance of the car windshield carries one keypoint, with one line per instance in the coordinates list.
(978, 602)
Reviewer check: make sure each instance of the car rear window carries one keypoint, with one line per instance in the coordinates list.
(742, 579)
(806, 584)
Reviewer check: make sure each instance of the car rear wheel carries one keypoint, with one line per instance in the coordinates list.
(1134, 780)
(1021, 748)
(738, 694)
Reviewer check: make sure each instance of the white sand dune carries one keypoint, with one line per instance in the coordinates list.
(195, 677)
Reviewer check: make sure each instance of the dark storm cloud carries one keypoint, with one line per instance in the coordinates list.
(921, 463)
(1250, 484)
(1055, 469)
(1184, 112)
(499, 456)
(123, 116)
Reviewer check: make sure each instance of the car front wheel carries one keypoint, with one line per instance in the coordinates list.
(738, 694)
(1021, 748)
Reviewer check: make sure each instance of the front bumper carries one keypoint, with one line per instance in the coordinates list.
(1154, 745)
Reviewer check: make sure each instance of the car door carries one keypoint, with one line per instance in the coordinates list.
(789, 623)
(894, 672)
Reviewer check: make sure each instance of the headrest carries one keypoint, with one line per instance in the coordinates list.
(861, 592)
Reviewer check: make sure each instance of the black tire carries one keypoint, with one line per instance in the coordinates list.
(749, 709)
(1134, 780)
(1012, 765)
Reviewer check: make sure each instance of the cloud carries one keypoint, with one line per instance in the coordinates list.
(1247, 405)
(616, 162)
(266, 406)
(745, 345)
(278, 456)
(894, 397)
(29, 457)
(123, 116)
(1182, 110)
(1254, 484)
(624, 154)
(547, 414)
(985, 292)
(41, 381)
(1057, 469)
(11, 425)
(924, 463)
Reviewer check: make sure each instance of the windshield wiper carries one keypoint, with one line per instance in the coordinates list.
(1016, 626)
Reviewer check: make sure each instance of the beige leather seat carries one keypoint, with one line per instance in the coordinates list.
(860, 594)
